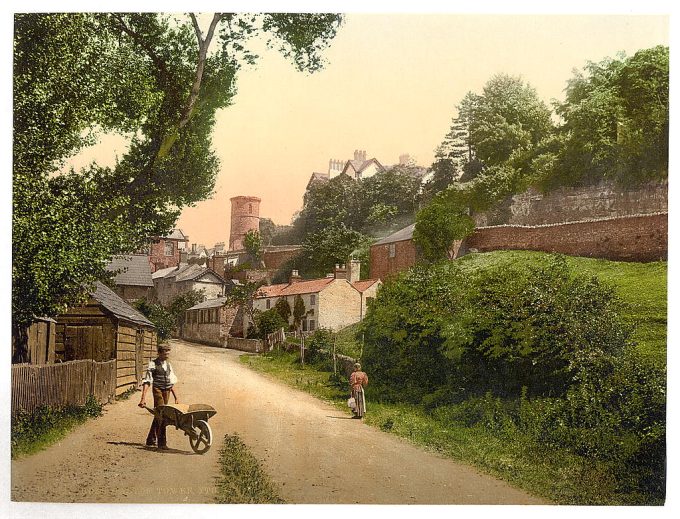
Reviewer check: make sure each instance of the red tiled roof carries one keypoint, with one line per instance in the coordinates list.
(310, 286)
(364, 284)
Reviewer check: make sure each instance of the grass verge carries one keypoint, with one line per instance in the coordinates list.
(33, 432)
(242, 480)
(555, 475)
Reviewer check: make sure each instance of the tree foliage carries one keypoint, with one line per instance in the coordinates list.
(299, 311)
(162, 318)
(268, 322)
(149, 76)
(182, 302)
(283, 308)
(615, 122)
(497, 329)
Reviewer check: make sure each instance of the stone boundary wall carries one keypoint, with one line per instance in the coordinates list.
(570, 204)
(249, 345)
(632, 238)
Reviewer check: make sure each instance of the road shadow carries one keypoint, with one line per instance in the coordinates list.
(340, 417)
(144, 447)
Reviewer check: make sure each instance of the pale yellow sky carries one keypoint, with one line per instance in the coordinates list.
(390, 87)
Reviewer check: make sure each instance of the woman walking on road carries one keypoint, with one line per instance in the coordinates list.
(357, 381)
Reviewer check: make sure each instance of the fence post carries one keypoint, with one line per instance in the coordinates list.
(335, 369)
(302, 350)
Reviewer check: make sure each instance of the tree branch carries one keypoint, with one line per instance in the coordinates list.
(190, 104)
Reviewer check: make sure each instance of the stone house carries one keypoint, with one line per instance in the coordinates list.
(333, 302)
(212, 322)
(171, 282)
(133, 276)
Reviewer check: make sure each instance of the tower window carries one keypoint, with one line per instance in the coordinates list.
(250, 208)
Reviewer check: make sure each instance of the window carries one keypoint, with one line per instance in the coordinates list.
(311, 325)
(393, 250)
(269, 304)
(312, 299)
(250, 208)
(169, 248)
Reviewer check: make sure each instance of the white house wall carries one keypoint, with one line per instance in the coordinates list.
(339, 305)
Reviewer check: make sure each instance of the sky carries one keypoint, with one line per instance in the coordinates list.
(390, 86)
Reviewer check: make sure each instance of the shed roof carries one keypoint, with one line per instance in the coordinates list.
(402, 234)
(135, 270)
(210, 303)
(114, 304)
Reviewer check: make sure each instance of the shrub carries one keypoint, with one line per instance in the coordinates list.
(268, 322)
(163, 319)
(319, 346)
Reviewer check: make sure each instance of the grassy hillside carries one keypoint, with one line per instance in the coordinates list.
(642, 287)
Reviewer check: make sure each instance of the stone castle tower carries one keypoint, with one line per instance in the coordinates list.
(245, 216)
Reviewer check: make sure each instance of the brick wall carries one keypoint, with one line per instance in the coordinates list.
(384, 266)
(157, 256)
(275, 258)
(634, 238)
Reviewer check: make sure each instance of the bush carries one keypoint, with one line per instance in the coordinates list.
(268, 322)
(163, 319)
(319, 347)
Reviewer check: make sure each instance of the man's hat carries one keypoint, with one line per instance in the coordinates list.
(164, 347)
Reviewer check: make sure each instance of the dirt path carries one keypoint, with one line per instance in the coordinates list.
(314, 453)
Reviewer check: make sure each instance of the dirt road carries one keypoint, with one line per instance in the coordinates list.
(314, 453)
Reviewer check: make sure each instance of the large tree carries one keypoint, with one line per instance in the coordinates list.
(150, 76)
(501, 126)
(615, 121)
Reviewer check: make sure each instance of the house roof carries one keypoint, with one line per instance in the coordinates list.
(310, 286)
(360, 165)
(195, 271)
(176, 234)
(114, 304)
(170, 272)
(364, 284)
(134, 270)
(161, 273)
(210, 303)
(402, 234)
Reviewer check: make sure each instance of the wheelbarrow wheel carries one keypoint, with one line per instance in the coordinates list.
(203, 440)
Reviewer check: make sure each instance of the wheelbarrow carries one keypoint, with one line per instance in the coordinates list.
(192, 419)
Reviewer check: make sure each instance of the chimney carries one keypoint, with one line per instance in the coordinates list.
(193, 247)
(340, 272)
(354, 270)
(294, 277)
(357, 155)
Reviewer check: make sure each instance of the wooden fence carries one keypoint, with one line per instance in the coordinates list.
(67, 383)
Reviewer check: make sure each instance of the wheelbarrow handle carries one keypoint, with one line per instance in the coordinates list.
(150, 409)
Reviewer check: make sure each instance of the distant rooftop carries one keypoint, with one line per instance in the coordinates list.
(134, 270)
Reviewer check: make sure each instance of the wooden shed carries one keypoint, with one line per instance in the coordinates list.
(40, 339)
(107, 328)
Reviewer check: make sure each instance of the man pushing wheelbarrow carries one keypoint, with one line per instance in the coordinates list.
(191, 419)
(162, 379)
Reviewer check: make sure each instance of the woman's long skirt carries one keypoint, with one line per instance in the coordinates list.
(360, 409)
